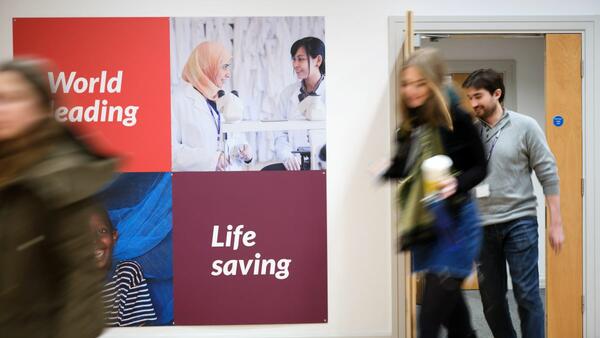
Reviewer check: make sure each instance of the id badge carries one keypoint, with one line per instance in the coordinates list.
(482, 190)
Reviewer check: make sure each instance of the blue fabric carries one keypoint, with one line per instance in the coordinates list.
(157, 262)
(158, 271)
(457, 245)
(161, 292)
(144, 219)
(444, 222)
(140, 208)
(515, 242)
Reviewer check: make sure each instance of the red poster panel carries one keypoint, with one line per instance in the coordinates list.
(111, 76)
(249, 247)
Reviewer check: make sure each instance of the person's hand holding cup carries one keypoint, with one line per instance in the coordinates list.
(437, 178)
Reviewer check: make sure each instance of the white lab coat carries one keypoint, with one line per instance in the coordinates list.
(194, 135)
(261, 59)
(289, 100)
(289, 141)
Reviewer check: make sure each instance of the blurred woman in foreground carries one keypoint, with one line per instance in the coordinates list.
(49, 284)
(444, 240)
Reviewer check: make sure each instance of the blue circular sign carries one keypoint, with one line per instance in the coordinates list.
(558, 120)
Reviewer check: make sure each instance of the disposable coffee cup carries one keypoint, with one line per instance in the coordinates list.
(435, 169)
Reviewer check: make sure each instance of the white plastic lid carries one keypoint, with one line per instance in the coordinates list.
(436, 168)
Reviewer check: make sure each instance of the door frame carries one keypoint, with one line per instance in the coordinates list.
(589, 28)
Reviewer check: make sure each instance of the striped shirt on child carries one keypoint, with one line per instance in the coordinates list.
(126, 297)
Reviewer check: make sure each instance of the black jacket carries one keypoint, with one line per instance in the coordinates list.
(463, 145)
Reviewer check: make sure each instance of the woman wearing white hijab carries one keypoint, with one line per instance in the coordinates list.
(196, 122)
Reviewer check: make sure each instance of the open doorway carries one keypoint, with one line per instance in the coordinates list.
(519, 58)
(569, 301)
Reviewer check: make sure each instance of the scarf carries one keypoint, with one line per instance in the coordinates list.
(416, 222)
(202, 67)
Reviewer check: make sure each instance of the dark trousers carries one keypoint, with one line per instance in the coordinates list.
(515, 242)
(444, 304)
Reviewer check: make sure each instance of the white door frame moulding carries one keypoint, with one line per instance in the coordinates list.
(589, 27)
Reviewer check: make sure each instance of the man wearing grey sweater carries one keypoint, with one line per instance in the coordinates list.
(515, 145)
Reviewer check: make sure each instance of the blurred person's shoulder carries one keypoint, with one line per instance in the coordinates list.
(69, 171)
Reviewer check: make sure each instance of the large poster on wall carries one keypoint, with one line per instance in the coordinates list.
(220, 213)
(111, 78)
(265, 77)
(134, 246)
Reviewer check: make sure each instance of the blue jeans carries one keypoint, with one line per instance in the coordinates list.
(515, 242)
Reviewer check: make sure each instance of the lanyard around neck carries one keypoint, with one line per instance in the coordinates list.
(304, 92)
(494, 141)
(216, 119)
(493, 145)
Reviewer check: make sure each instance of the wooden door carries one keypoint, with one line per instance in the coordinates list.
(564, 272)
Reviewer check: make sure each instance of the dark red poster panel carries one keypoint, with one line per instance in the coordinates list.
(112, 78)
(250, 247)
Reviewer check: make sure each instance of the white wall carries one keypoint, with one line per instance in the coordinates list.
(529, 55)
(360, 249)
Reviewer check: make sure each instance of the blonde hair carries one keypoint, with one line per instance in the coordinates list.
(431, 66)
